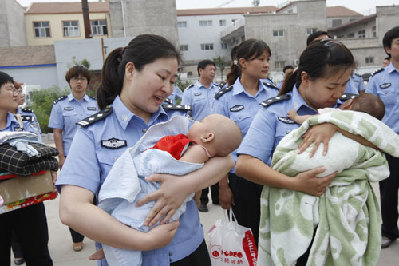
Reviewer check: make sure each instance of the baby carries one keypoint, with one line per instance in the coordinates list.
(364, 102)
(214, 136)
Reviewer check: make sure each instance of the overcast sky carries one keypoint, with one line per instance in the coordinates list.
(361, 6)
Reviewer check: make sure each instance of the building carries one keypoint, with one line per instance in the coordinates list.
(47, 22)
(131, 18)
(12, 24)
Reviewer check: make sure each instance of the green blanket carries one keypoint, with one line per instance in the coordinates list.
(345, 219)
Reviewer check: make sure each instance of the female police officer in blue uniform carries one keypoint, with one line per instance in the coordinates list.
(240, 102)
(136, 80)
(323, 71)
(66, 112)
(29, 224)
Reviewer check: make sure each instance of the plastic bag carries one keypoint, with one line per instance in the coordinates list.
(231, 243)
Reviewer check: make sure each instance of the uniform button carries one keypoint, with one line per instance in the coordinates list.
(144, 130)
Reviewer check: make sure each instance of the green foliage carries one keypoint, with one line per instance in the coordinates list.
(182, 84)
(42, 103)
(220, 63)
(84, 62)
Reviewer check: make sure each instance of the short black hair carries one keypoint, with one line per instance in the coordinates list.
(316, 34)
(389, 36)
(202, 64)
(5, 78)
(76, 71)
(287, 67)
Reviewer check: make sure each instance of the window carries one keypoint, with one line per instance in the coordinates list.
(41, 29)
(278, 33)
(182, 24)
(205, 23)
(222, 22)
(206, 46)
(184, 47)
(99, 27)
(374, 31)
(71, 29)
(336, 22)
(351, 35)
(369, 60)
(279, 64)
(361, 34)
(310, 30)
(224, 45)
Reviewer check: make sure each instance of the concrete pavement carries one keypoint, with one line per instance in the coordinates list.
(63, 255)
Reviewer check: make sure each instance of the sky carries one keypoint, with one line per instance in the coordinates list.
(361, 6)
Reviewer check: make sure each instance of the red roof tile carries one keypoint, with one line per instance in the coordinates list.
(341, 11)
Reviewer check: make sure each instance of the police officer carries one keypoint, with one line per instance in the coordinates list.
(175, 97)
(136, 81)
(240, 102)
(29, 224)
(385, 83)
(201, 97)
(317, 83)
(286, 71)
(355, 84)
(66, 112)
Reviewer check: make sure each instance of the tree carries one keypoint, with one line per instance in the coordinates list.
(42, 103)
(219, 62)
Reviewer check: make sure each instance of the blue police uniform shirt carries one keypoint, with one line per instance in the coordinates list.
(385, 84)
(67, 112)
(13, 125)
(355, 84)
(29, 116)
(177, 94)
(91, 158)
(241, 107)
(271, 124)
(201, 99)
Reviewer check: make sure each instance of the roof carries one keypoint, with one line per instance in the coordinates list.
(353, 23)
(341, 11)
(66, 8)
(27, 55)
(229, 10)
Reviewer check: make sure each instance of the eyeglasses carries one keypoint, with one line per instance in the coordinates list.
(82, 79)
(11, 88)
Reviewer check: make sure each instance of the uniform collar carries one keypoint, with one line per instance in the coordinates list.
(298, 101)
(10, 120)
(124, 115)
(199, 85)
(238, 88)
(391, 68)
(71, 98)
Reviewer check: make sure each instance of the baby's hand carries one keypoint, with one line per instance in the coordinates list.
(98, 255)
(292, 115)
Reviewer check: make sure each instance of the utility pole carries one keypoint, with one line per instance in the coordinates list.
(86, 20)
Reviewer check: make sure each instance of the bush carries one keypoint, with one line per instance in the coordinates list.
(42, 103)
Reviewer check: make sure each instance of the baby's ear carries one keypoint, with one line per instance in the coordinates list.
(208, 137)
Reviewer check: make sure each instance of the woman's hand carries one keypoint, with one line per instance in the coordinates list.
(168, 198)
(317, 134)
(309, 183)
(226, 199)
(54, 178)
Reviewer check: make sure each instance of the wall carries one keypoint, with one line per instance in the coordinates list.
(131, 18)
(12, 27)
(56, 26)
(387, 18)
(42, 76)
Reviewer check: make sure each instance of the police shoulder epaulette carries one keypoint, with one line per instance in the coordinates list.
(28, 118)
(91, 97)
(27, 110)
(377, 71)
(346, 96)
(356, 74)
(271, 85)
(180, 107)
(222, 84)
(60, 99)
(223, 91)
(96, 117)
(189, 87)
(276, 99)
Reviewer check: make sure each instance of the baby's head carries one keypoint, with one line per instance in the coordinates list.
(366, 103)
(217, 133)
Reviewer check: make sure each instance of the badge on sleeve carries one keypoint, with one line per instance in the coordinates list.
(285, 120)
(236, 108)
(92, 108)
(113, 143)
(385, 85)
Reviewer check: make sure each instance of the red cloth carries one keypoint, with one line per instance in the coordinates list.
(175, 145)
